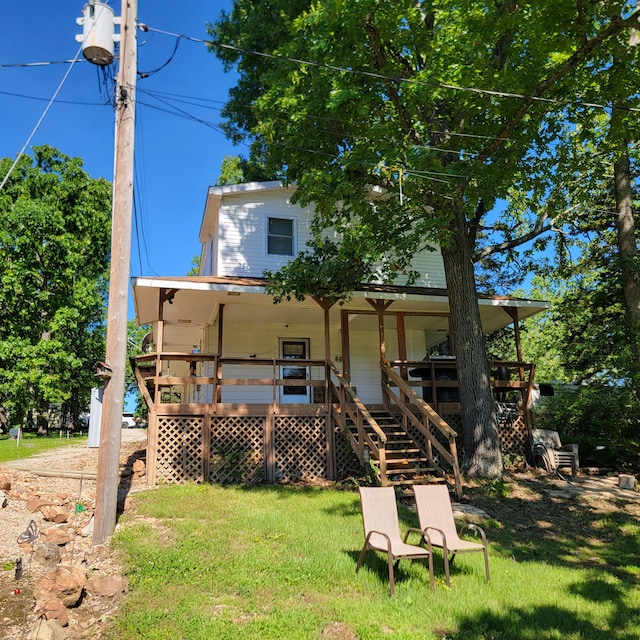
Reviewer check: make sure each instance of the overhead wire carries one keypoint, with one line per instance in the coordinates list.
(386, 77)
(42, 117)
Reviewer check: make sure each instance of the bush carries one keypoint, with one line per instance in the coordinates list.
(603, 419)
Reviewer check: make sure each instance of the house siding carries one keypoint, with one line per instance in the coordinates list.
(364, 348)
(242, 233)
(239, 246)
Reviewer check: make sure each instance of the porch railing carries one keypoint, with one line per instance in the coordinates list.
(365, 442)
(422, 417)
(510, 380)
(171, 382)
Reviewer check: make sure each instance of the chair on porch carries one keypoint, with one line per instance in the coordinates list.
(547, 448)
(437, 522)
(382, 531)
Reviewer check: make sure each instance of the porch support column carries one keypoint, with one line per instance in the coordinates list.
(346, 353)
(330, 449)
(512, 312)
(402, 343)
(380, 307)
(218, 372)
(152, 442)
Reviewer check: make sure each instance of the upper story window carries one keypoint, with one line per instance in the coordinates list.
(280, 237)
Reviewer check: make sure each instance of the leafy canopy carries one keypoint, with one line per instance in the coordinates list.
(54, 250)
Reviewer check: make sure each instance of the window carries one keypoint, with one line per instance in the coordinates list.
(280, 237)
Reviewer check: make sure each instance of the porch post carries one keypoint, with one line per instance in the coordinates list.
(513, 314)
(330, 449)
(346, 354)
(218, 370)
(402, 343)
(380, 307)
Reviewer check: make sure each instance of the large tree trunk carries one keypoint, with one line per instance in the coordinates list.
(482, 456)
(628, 252)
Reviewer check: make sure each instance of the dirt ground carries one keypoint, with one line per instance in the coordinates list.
(64, 477)
(526, 506)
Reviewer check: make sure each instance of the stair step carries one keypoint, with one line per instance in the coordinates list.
(411, 471)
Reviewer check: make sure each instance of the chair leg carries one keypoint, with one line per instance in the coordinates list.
(445, 559)
(431, 581)
(361, 558)
(486, 565)
(391, 574)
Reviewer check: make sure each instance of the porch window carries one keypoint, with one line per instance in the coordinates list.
(280, 237)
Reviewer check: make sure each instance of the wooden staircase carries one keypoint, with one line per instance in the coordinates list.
(383, 442)
(406, 464)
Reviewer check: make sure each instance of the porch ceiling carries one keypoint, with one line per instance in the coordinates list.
(196, 302)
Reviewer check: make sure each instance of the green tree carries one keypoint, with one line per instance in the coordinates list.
(54, 249)
(447, 108)
(236, 170)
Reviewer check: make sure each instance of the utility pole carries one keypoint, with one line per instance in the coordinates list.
(116, 349)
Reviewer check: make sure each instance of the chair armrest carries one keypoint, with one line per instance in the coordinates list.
(423, 536)
(380, 533)
(477, 529)
(569, 447)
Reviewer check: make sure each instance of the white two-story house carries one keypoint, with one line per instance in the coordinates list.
(240, 389)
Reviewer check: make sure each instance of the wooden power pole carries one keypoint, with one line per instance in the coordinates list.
(116, 349)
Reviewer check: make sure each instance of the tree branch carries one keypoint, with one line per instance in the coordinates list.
(617, 25)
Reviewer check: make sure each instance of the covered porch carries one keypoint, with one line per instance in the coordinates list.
(242, 390)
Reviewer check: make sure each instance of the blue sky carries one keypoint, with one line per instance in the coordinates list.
(177, 158)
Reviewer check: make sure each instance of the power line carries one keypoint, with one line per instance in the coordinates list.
(40, 64)
(382, 76)
(42, 117)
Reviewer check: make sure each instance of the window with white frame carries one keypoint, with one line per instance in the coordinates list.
(280, 237)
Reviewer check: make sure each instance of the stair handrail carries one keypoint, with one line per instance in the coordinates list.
(430, 416)
(360, 416)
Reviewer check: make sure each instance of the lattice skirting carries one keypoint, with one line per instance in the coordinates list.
(514, 431)
(300, 448)
(347, 463)
(179, 449)
(235, 449)
(512, 425)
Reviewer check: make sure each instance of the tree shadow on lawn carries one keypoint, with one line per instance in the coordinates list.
(535, 521)
(542, 622)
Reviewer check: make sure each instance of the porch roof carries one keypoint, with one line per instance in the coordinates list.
(195, 302)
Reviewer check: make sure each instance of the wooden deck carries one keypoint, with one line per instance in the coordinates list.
(207, 424)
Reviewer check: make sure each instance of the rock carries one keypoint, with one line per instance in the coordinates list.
(47, 554)
(57, 535)
(3, 500)
(139, 467)
(36, 504)
(64, 583)
(47, 630)
(54, 610)
(53, 513)
(5, 483)
(88, 530)
(626, 481)
(107, 586)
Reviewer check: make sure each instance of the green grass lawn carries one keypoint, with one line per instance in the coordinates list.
(278, 562)
(30, 444)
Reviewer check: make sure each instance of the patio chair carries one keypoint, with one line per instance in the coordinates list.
(547, 448)
(382, 531)
(436, 520)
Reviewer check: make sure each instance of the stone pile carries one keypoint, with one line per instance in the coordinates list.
(70, 583)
